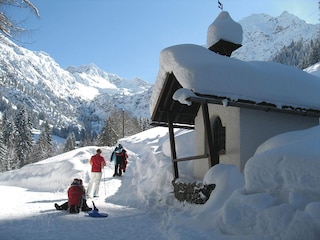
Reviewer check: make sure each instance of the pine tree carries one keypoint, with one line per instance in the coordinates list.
(45, 140)
(42, 149)
(144, 124)
(110, 134)
(314, 54)
(132, 125)
(3, 153)
(70, 143)
(23, 137)
(8, 134)
(299, 54)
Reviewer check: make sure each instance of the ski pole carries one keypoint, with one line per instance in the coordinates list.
(104, 181)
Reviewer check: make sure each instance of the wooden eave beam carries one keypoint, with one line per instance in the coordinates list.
(253, 105)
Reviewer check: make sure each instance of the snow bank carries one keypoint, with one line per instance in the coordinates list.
(278, 197)
(287, 166)
(227, 179)
(52, 174)
(281, 196)
(152, 172)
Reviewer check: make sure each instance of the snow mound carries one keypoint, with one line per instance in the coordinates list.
(281, 196)
(53, 174)
(287, 166)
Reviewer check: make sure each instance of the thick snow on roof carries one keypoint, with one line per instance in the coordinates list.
(223, 27)
(205, 72)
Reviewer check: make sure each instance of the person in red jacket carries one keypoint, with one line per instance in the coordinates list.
(76, 198)
(97, 162)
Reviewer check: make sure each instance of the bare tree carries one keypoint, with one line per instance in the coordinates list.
(119, 124)
(8, 26)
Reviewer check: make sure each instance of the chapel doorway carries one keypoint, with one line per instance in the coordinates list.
(219, 140)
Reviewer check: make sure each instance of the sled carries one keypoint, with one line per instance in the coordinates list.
(95, 212)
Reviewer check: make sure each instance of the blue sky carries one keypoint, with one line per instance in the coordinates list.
(125, 37)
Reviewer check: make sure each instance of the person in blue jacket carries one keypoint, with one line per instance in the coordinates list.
(120, 158)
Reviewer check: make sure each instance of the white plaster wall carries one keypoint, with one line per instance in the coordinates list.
(201, 166)
(231, 120)
(257, 126)
(246, 129)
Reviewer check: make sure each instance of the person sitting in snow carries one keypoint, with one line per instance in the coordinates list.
(120, 158)
(76, 198)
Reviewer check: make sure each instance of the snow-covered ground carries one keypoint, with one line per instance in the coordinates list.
(277, 196)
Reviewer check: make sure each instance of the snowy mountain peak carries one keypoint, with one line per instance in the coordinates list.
(290, 18)
(91, 69)
(93, 77)
(63, 96)
(264, 36)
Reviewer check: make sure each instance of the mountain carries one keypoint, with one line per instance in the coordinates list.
(84, 96)
(264, 36)
(66, 96)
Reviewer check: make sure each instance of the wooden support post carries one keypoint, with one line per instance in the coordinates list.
(173, 148)
(208, 132)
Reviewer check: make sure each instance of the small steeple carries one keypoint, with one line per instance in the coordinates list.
(224, 35)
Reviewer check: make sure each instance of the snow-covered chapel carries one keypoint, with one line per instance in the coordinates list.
(232, 105)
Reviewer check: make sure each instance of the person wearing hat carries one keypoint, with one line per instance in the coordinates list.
(76, 198)
(97, 163)
(119, 156)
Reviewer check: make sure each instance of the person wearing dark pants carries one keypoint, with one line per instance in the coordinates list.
(120, 158)
(76, 198)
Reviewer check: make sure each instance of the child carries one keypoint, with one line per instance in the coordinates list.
(76, 198)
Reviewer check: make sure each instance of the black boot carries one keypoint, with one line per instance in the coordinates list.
(85, 207)
(57, 206)
(64, 206)
(74, 209)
